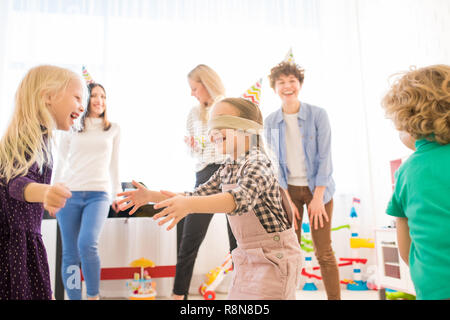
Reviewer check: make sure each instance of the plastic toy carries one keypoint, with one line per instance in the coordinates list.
(397, 295)
(214, 277)
(355, 244)
(142, 287)
(307, 246)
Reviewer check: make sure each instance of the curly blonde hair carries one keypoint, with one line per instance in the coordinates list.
(418, 102)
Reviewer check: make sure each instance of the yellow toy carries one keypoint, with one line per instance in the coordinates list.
(142, 287)
(214, 277)
(356, 243)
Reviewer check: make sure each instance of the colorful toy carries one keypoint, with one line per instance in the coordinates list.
(200, 142)
(355, 244)
(307, 246)
(397, 295)
(214, 277)
(142, 287)
(253, 94)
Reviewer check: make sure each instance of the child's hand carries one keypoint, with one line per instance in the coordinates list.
(55, 198)
(136, 198)
(176, 208)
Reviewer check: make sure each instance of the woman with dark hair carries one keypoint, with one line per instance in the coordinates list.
(299, 135)
(88, 165)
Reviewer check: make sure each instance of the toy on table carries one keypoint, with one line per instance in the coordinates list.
(214, 277)
(142, 287)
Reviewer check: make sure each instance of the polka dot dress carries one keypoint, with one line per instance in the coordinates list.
(24, 271)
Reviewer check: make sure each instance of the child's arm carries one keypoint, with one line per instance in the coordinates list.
(179, 206)
(142, 195)
(403, 238)
(53, 197)
(26, 189)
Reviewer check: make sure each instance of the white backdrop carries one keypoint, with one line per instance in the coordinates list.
(142, 50)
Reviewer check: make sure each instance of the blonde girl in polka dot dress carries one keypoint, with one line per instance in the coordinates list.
(48, 98)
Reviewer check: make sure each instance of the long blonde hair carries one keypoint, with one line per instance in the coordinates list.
(28, 136)
(419, 103)
(213, 84)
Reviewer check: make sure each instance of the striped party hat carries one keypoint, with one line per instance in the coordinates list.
(253, 93)
(87, 77)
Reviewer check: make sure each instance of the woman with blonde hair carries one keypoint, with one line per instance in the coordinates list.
(48, 98)
(419, 105)
(207, 87)
(89, 166)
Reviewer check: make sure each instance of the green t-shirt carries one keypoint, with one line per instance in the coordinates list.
(422, 195)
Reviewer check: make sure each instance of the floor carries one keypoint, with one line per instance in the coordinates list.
(310, 295)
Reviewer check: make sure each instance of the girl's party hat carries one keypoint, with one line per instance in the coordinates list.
(87, 76)
(289, 57)
(253, 93)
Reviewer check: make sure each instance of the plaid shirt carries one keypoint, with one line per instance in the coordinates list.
(256, 189)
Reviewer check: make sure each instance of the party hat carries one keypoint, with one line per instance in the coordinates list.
(87, 76)
(289, 57)
(253, 93)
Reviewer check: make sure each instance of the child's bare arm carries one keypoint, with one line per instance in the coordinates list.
(53, 197)
(403, 238)
(220, 202)
(178, 207)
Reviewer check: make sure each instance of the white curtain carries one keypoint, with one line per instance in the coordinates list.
(142, 50)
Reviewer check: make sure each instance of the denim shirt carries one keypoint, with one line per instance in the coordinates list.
(316, 138)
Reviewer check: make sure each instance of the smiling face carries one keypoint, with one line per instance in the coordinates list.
(199, 91)
(97, 102)
(66, 106)
(228, 141)
(287, 87)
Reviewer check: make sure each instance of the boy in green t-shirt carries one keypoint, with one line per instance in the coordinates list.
(419, 105)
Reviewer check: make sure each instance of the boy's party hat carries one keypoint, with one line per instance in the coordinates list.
(253, 93)
(87, 76)
(289, 56)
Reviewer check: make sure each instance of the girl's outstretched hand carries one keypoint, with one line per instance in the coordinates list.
(175, 208)
(136, 198)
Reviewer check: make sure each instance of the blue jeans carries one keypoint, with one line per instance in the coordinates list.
(80, 223)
